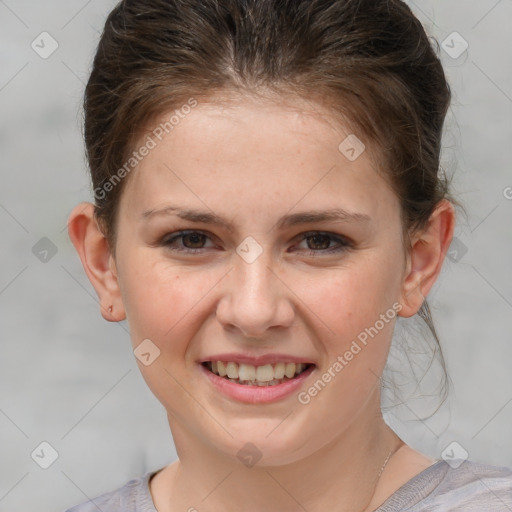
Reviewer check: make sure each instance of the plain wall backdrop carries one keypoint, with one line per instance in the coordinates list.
(68, 378)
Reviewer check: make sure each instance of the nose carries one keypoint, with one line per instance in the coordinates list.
(255, 298)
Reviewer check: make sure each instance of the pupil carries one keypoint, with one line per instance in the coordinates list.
(325, 238)
(193, 236)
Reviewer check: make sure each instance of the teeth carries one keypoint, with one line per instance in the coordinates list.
(279, 370)
(265, 373)
(247, 372)
(256, 375)
(290, 370)
(232, 370)
(221, 368)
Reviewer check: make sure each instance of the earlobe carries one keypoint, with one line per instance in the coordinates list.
(426, 256)
(99, 265)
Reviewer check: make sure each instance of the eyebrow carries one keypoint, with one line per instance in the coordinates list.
(306, 217)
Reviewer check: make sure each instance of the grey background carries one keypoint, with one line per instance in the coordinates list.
(69, 378)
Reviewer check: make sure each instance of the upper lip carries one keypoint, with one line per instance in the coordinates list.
(256, 360)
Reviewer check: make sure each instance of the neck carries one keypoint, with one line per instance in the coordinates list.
(343, 475)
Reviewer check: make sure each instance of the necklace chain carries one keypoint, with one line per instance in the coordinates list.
(385, 462)
(391, 452)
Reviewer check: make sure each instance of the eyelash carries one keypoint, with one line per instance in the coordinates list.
(344, 244)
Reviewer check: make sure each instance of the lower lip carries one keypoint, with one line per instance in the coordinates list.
(257, 394)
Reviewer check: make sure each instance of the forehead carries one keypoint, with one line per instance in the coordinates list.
(252, 156)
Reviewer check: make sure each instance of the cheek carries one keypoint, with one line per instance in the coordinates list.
(358, 293)
(162, 301)
(163, 304)
(351, 305)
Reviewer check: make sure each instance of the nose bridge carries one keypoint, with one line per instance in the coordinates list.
(254, 298)
(254, 279)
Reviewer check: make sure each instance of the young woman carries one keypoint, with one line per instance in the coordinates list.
(268, 200)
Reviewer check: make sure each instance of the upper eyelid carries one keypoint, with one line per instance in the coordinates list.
(183, 232)
(176, 235)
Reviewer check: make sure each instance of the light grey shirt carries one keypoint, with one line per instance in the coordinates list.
(471, 487)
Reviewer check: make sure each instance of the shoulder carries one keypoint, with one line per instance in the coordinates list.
(469, 485)
(457, 486)
(134, 496)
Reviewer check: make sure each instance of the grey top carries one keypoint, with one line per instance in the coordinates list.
(442, 487)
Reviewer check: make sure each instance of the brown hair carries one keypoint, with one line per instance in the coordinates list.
(370, 61)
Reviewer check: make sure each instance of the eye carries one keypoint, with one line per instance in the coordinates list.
(189, 238)
(192, 242)
(321, 241)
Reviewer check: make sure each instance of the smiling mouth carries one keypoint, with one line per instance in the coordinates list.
(249, 375)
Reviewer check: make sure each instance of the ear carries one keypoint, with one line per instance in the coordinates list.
(426, 256)
(99, 265)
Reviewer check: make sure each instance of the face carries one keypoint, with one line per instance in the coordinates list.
(266, 284)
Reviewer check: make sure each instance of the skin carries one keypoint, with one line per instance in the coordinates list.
(252, 161)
